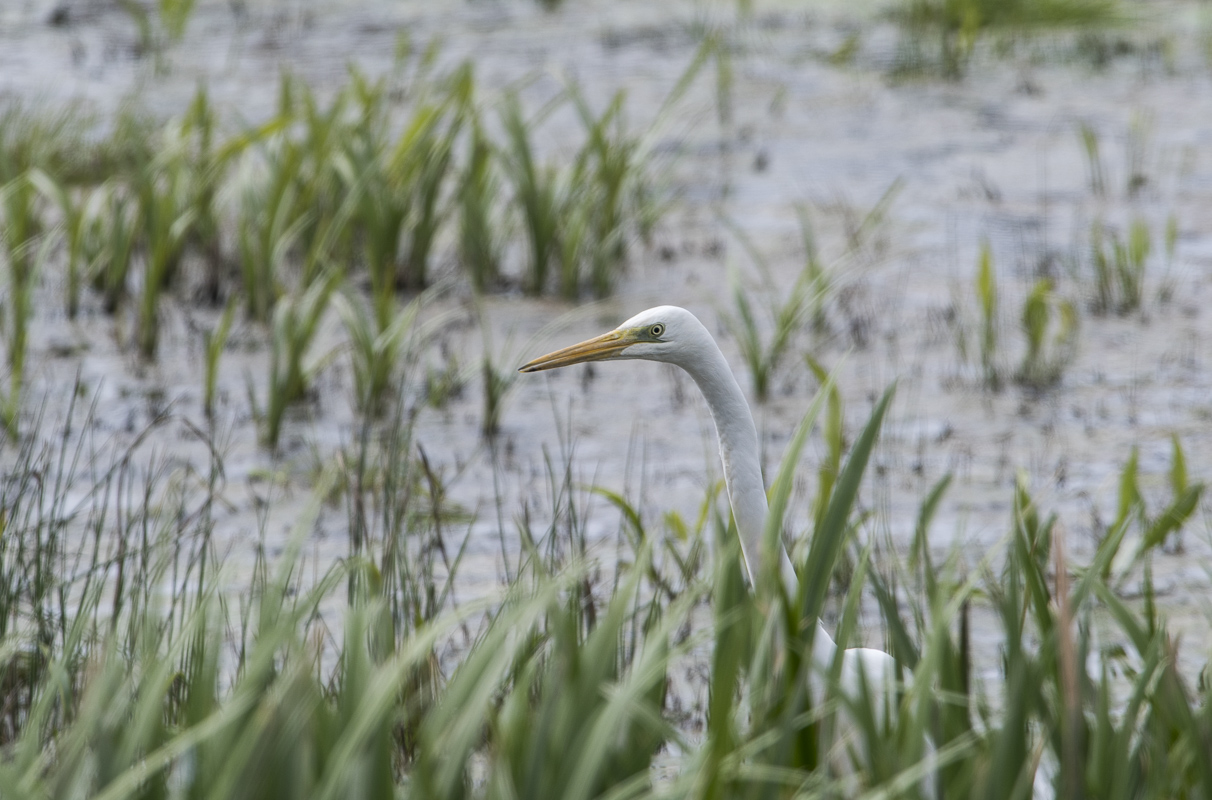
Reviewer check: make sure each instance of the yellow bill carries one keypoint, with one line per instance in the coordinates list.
(599, 348)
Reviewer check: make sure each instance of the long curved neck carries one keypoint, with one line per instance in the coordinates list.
(742, 468)
(739, 450)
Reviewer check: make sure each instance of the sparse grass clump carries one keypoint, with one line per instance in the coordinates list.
(110, 246)
(376, 350)
(579, 221)
(270, 224)
(990, 326)
(609, 166)
(79, 212)
(401, 184)
(536, 192)
(763, 354)
(1050, 324)
(160, 25)
(497, 378)
(291, 366)
(1119, 265)
(957, 25)
(787, 314)
(814, 273)
(481, 225)
(167, 220)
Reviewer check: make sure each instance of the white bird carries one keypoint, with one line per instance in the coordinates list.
(675, 336)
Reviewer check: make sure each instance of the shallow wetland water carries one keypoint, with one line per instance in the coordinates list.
(995, 157)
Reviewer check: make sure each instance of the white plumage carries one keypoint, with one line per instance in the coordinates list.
(675, 336)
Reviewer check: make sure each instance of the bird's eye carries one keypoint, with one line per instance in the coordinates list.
(657, 330)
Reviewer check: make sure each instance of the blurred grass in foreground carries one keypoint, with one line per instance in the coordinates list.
(128, 670)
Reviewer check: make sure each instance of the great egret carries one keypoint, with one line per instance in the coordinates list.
(675, 336)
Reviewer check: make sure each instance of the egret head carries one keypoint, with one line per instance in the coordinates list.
(664, 333)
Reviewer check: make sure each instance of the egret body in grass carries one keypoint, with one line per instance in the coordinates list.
(675, 336)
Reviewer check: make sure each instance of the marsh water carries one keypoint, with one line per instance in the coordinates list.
(819, 113)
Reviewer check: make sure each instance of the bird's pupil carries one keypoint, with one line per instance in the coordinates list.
(657, 330)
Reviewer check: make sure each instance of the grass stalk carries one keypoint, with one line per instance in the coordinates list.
(167, 220)
(214, 342)
(296, 322)
(1050, 348)
(987, 300)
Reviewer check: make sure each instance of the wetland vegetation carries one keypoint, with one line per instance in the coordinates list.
(254, 361)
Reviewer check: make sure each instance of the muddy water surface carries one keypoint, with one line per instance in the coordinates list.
(995, 158)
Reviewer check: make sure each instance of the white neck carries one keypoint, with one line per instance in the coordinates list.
(743, 474)
(739, 453)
